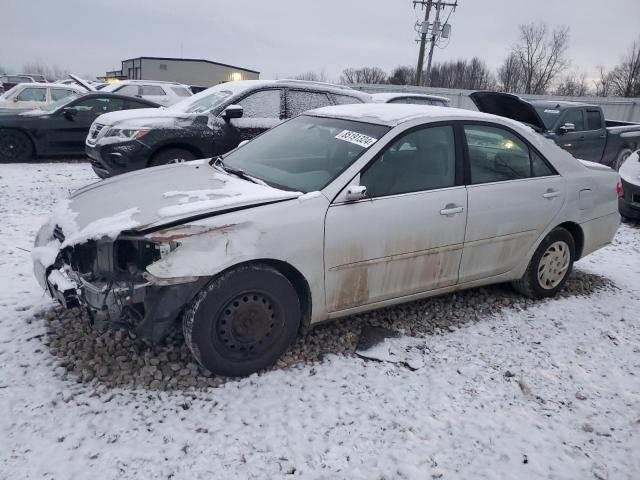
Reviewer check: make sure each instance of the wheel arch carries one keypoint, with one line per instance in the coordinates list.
(578, 236)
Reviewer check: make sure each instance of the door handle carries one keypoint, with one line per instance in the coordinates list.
(451, 209)
(551, 194)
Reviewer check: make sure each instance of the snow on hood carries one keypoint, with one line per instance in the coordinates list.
(138, 116)
(153, 197)
(630, 169)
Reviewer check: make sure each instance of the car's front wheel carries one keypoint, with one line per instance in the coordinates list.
(549, 267)
(171, 155)
(15, 146)
(242, 321)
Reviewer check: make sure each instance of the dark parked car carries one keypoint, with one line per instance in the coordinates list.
(7, 82)
(59, 129)
(210, 123)
(579, 128)
(629, 201)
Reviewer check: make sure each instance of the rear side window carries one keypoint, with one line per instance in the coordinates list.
(497, 155)
(59, 93)
(181, 92)
(152, 90)
(33, 95)
(130, 90)
(346, 99)
(576, 117)
(262, 104)
(594, 120)
(299, 101)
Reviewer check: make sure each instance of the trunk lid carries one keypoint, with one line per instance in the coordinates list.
(509, 106)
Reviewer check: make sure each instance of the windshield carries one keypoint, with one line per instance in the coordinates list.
(305, 154)
(200, 104)
(549, 116)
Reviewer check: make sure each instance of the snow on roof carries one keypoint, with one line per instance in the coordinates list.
(77, 88)
(386, 96)
(395, 113)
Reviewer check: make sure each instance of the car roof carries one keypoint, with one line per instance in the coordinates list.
(117, 95)
(387, 96)
(392, 114)
(559, 104)
(245, 85)
(147, 82)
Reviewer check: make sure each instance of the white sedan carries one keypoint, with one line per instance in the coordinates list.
(29, 96)
(338, 211)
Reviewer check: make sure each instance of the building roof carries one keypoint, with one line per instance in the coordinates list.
(174, 59)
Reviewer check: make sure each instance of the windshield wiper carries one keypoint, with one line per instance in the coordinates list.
(219, 162)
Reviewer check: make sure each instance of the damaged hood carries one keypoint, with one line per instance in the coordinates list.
(154, 197)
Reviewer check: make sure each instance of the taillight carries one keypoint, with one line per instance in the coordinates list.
(619, 190)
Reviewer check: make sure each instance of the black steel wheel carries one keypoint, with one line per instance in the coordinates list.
(15, 146)
(242, 321)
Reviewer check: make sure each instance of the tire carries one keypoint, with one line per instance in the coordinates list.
(550, 266)
(242, 321)
(171, 155)
(15, 146)
(622, 156)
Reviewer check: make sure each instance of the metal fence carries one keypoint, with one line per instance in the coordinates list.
(614, 108)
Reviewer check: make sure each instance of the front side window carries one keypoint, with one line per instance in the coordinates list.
(98, 106)
(577, 118)
(299, 101)
(420, 160)
(497, 155)
(152, 90)
(307, 153)
(31, 94)
(131, 90)
(262, 104)
(60, 93)
(181, 91)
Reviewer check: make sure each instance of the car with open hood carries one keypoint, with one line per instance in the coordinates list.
(579, 128)
(211, 122)
(338, 211)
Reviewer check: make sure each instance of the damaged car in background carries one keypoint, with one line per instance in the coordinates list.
(338, 211)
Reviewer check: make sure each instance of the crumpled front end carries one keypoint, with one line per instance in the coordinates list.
(108, 277)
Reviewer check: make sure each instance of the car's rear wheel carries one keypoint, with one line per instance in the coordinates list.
(171, 155)
(15, 146)
(242, 321)
(549, 267)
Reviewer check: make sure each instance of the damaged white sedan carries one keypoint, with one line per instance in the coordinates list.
(342, 210)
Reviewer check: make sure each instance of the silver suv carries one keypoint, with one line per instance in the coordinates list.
(164, 93)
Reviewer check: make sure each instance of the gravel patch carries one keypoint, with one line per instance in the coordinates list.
(116, 358)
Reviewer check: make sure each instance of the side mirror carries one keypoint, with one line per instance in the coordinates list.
(232, 111)
(356, 192)
(15, 99)
(567, 127)
(70, 112)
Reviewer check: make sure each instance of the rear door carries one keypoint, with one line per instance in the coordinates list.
(31, 97)
(514, 194)
(262, 110)
(407, 237)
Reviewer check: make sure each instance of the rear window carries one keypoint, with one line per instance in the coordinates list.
(181, 92)
(594, 120)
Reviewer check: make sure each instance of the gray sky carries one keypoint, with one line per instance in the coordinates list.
(286, 37)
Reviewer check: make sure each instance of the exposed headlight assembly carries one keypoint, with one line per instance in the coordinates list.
(128, 133)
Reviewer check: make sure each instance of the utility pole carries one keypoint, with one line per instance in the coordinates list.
(423, 39)
(434, 34)
(436, 30)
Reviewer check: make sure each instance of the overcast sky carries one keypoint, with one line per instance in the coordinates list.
(286, 37)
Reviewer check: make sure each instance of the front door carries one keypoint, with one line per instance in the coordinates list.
(407, 236)
(514, 194)
(574, 142)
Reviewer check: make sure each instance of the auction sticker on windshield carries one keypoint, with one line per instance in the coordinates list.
(357, 138)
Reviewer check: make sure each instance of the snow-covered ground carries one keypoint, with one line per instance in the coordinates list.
(551, 391)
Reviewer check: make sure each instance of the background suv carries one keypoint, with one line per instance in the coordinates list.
(164, 93)
(210, 123)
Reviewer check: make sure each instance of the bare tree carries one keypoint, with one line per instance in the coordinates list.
(369, 75)
(625, 77)
(40, 68)
(573, 85)
(312, 76)
(542, 56)
(602, 84)
(468, 74)
(510, 74)
(403, 75)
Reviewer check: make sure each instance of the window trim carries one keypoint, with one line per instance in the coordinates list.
(458, 160)
(467, 162)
